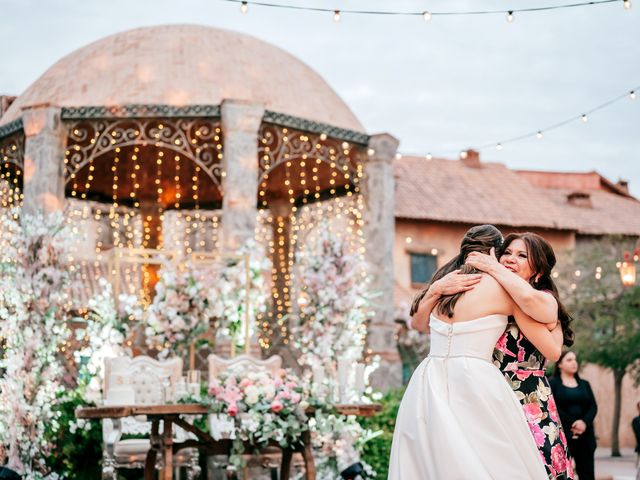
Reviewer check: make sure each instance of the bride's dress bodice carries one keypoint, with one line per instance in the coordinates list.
(472, 338)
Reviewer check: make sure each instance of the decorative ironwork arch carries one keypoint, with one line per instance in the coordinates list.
(278, 145)
(197, 139)
(12, 150)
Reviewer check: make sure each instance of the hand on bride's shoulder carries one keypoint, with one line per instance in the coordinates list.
(482, 261)
(456, 282)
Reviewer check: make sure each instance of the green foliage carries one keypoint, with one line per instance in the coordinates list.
(377, 450)
(77, 445)
(610, 331)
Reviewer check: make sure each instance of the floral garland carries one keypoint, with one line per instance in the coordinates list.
(188, 297)
(333, 299)
(33, 316)
(232, 287)
(103, 335)
(181, 309)
(337, 443)
(258, 407)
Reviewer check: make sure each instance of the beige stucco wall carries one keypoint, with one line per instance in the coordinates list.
(601, 381)
(446, 237)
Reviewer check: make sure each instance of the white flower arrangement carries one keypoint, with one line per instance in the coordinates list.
(258, 407)
(33, 316)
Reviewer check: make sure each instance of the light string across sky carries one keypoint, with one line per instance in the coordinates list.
(426, 15)
(539, 133)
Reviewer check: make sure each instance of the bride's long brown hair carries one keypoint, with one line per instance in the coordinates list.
(542, 259)
(480, 238)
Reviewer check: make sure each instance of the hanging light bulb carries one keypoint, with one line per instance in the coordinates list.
(626, 4)
(585, 119)
(499, 146)
(336, 16)
(398, 156)
(510, 17)
(463, 154)
(429, 156)
(539, 135)
(632, 95)
(426, 16)
(244, 7)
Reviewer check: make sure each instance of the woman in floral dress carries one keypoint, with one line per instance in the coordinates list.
(524, 271)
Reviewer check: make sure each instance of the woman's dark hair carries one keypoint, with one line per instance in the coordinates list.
(481, 239)
(556, 370)
(542, 259)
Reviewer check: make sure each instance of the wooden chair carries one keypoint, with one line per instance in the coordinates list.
(147, 378)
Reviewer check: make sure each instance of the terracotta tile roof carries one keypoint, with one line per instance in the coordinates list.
(574, 180)
(608, 214)
(450, 191)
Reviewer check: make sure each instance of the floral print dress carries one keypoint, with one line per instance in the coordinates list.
(523, 367)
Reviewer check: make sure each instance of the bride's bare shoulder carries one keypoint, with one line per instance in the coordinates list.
(489, 286)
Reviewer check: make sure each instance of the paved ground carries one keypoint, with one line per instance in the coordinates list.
(618, 468)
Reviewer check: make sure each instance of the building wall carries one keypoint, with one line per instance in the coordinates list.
(601, 381)
(423, 236)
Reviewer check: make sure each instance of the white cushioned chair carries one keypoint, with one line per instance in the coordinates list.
(147, 378)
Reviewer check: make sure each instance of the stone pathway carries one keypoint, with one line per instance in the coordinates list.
(615, 468)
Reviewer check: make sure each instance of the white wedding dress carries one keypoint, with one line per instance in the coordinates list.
(459, 419)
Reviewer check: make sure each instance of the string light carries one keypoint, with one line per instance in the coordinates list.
(244, 8)
(626, 3)
(510, 17)
(426, 16)
(584, 117)
(499, 146)
(336, 16)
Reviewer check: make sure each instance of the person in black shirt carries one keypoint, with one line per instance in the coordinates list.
(577, 408)
(635, 424)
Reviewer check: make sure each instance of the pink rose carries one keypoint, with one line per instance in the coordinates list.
(559, 458)
(232, 410)
(501, 346)
(523, 374)
(511, 367)
(533, 412)
(553, 411)
(570, 472)
(563, 438)
(245, 382)
(291, 385)
(276, 406)
(538, 434)
(295, 397)
(284, 395)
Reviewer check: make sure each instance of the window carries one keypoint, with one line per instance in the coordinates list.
(423, 266)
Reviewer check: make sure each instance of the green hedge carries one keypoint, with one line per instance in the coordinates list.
(377, 450)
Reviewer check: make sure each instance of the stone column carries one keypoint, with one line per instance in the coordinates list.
(45, 144)
(240, 125)
(379, 229)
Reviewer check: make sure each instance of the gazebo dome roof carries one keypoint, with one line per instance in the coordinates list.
(182, 65)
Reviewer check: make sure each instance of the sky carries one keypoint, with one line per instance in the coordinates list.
(438, 86)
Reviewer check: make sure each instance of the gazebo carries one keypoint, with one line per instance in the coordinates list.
(196, 139)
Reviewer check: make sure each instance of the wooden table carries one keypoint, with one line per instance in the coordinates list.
(171, 414)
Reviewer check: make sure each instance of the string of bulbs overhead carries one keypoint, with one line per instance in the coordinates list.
(425, 14)
(539, 133)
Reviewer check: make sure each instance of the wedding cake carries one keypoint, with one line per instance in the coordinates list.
(120, 390)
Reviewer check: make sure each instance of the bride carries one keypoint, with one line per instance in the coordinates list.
(459, 419)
